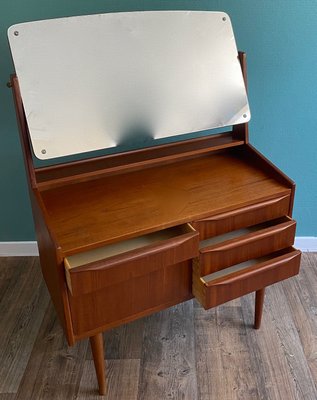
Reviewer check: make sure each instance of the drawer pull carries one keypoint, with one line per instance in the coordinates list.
(243, 217)
(109, 265)
(245, 244)
(244, 278)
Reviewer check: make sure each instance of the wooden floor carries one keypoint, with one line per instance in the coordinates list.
(181, 353)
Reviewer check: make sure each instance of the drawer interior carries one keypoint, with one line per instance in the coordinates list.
(234, 268)
(243, 260)
(240, 279)
(240, 232)
(114, 249)
(225, 250)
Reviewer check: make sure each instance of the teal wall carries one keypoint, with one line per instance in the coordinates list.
(280, 38)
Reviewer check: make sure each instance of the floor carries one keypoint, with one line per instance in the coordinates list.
(184, 352)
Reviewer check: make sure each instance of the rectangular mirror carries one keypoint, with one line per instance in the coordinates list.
(94, 82)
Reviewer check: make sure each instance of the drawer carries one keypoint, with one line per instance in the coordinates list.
(127, 260)
(242, 217)
(243, 278)
(131, 299)
(244, 244)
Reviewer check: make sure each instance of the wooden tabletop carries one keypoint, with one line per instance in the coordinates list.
(93, 213)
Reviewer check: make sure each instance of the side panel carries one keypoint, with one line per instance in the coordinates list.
(50, 254)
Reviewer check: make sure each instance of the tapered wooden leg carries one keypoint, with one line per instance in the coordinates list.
(259, 301)
(96, 343)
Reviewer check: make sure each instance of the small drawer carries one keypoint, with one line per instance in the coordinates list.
(240, 279)
(221, 251)
(242, 217)
(109, 265)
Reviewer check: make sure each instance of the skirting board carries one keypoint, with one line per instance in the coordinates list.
(13, 249)
(306, 243)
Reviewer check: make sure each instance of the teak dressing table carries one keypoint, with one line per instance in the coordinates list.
(121, 236)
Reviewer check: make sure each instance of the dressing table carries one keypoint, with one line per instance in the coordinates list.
(128, 233)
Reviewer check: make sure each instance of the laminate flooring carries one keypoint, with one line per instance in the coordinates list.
(183, 352)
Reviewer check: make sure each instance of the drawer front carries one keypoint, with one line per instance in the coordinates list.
(242, 217)
(267, 238)
(217, 289)
(132, 264)
(131, 299)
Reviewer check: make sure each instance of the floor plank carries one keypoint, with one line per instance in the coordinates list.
(22, 308)
(123, 342)
(122, 381)
(54, 370)
(302, 379)
(184, 352)
(7, 396)
(222, 351)
(168, 356)
(281, 367)
(267, 360)
(302, 301)
(8, 272)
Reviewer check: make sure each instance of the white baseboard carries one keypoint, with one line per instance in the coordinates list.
(306, 243)
(12, 249)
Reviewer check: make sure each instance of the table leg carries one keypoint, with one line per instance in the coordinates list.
(97, 348)
(259, 301)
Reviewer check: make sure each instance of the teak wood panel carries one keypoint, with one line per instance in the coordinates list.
(242, 217)
(131, 299)
(248, 246)
(94, 213)
(132, 264)
(280, 266)
(80, 171)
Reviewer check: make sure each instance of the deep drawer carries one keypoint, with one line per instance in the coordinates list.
(240, 279)
(242, 217)
(108, 266)
(235, 247)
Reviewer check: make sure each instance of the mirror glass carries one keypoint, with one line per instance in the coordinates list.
(97, 81)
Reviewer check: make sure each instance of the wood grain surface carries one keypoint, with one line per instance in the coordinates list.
(246, 247)
(183, 352)
(23, 303)
(168, 355)
(91, 214)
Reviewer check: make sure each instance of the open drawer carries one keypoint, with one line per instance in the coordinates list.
(243, 278)
(221, 251)
(109, 265)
